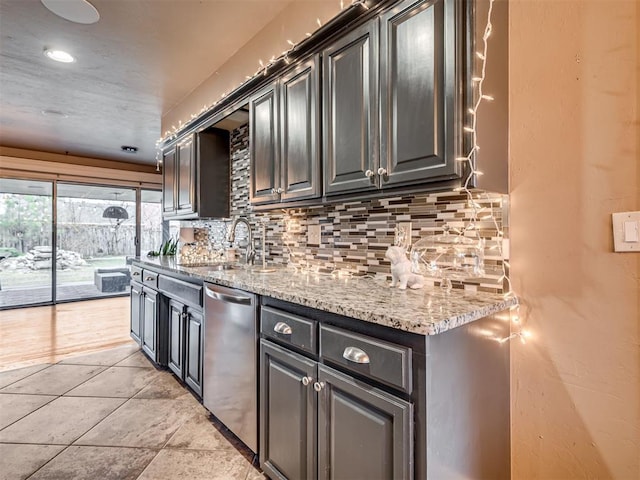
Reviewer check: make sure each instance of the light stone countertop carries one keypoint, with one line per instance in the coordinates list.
(426, 311)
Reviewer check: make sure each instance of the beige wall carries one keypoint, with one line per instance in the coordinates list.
(575, 159)
(292, 24)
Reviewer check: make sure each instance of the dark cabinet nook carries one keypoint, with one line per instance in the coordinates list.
(195, 176)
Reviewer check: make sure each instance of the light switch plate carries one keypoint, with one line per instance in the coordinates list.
(313, 235)
(626, 231)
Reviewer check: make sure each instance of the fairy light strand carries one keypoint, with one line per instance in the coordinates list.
(263, 70)
(517, 326)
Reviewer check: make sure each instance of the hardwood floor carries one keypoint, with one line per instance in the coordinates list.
(49, 334)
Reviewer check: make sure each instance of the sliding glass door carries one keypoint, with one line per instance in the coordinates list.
(96, 231)
(26, 249)
(77, 250)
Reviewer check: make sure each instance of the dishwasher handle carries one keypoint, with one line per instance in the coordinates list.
(227, 298)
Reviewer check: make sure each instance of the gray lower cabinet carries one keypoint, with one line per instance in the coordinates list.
(363, 432)
(177, 314)
(186, 344)
(287, 413)
(194, 343)
(150, 306)
(316, 422)
(136, 318)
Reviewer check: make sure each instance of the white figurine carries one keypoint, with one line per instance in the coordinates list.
(401, 273)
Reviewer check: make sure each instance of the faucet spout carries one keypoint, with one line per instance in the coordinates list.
(250, 254)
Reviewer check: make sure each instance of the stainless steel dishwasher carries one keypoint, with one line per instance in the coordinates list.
(230, 360)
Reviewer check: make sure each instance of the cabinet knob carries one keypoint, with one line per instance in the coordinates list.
(369, 173)
(317, 386)
(382, 171)
(273, 190)
(306, 380)
(279, 190)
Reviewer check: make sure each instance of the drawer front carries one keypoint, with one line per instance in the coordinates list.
(136, 273)
(382, 361)
(186, 292)
(150, 278)
(289, 328)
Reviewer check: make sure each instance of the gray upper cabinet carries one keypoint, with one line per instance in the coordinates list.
(195, 179)
(284, 136)
(354, 421)
(169, 177)
(186, 176)
(417, 67)
(299, 132)
(350, 111)
(263, 143)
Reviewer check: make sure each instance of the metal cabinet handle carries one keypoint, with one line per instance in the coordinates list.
(136, 274)
(282, 328)
(148, 279)
(317, 386)
(369, 173)
(382, 171)
(227, 298)
(356, 355)
(306, 381)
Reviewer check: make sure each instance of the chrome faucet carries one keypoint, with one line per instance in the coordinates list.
(250, 255)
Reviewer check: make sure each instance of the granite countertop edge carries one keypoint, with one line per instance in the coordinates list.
(427, 311)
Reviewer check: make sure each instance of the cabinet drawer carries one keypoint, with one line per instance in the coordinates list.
(382, 361)
(150, 278)
(136, 273)
(186, 292)
(288, 328)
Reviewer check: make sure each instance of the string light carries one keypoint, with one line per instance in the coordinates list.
(285, 57)
(470, 159)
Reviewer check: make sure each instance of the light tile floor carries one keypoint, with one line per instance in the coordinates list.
(111, 415)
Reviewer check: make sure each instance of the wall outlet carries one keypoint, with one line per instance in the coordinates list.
(403, 235)
(313, 235)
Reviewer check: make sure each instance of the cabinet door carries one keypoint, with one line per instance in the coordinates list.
(350, 113)
(177, 316)
(417, 92)
(169, 181)
(186, 175)
(136, 311)
(299, 132)
(364, 433)
(194, 346)
(150, 322)
(263, 142)
(287, 414)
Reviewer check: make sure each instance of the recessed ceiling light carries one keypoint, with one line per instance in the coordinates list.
(54, 113)
(77, 11)
(59, 56)
(129, 149)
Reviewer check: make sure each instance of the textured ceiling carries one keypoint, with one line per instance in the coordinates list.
(140, 60)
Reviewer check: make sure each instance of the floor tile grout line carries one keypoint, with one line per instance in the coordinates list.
(33, 411)
(47, 462)
(19, 380)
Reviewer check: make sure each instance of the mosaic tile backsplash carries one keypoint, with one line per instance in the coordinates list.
(355, 235)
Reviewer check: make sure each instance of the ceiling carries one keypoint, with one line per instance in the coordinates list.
(136, 63)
